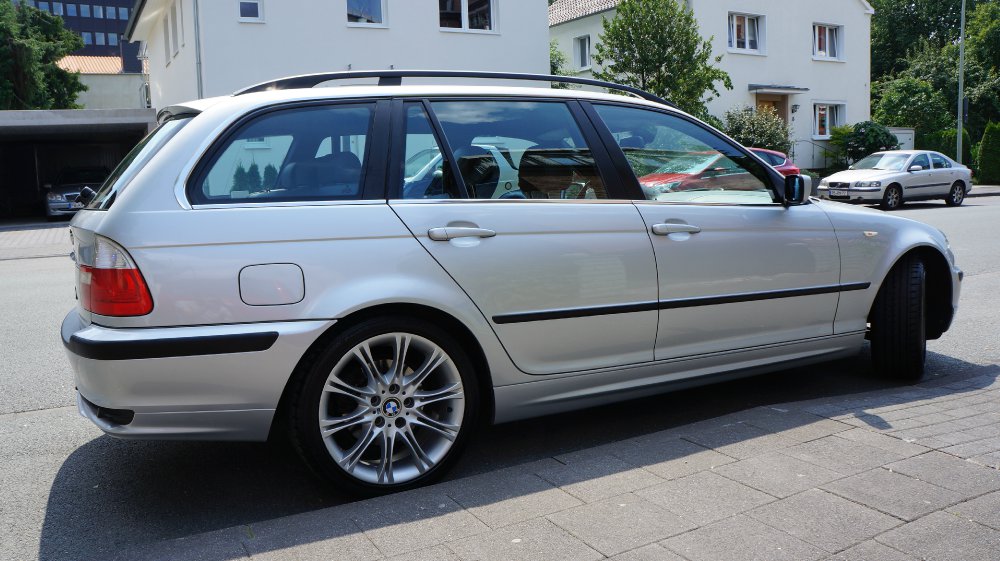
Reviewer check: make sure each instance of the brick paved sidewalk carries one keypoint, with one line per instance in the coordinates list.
(34, 240)
(893, 475)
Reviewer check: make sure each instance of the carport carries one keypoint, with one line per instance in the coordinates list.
(36, 145)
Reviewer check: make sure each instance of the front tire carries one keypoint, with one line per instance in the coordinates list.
(386, 406)
(892, 198)
(957, 195)
(898, 322)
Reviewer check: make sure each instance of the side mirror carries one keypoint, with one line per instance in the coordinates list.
(916, 168)
(86, 195)
(796, 190)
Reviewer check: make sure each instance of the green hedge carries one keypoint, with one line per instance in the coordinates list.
(989, 155)
(945, 142)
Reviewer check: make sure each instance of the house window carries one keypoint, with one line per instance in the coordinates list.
(745, 32)
(825, 117)
(826, 41)
(113, 39)
(71, 10)
(581, 52)
(43, 6)
(468, 15)
(123, 13)
(88, 38)
(173, 28)
(57, 8)
(85, 10)
(166, 39)
(251, 11)
(99, 12)
(366, 11)
(100, 38)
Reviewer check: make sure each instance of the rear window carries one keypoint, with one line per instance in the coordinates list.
(298, 154)
(133, 162)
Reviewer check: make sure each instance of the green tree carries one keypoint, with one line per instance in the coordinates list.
(983, 34)
(900, 24)
(989, 155)
(911, 102)
(655, 45)
(270, 177)
(240, 180)
(867, 138)
(761, 128)
(254, 182)
(31, 43)
(558, 65)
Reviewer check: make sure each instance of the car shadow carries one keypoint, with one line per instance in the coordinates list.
(134, 499)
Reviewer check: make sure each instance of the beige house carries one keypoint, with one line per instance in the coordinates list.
(809, 59)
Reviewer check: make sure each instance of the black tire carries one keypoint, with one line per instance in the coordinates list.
(303, 411)
(892, 198)
(957, 195)
(898, 322)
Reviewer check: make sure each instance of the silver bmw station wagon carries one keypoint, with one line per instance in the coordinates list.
(375, 270)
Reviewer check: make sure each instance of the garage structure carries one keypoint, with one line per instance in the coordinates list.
(35, 146)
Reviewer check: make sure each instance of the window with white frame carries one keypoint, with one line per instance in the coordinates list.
(826, 41)
(825, 117)
(468, 15)
(746, 32)
(174, 35)
(251, 11)
(367, 12)
(166, 39)
(581, 52)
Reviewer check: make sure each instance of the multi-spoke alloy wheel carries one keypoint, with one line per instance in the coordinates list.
(389, 408)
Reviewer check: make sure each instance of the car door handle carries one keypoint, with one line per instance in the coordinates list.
(445, 234)
(671, 228)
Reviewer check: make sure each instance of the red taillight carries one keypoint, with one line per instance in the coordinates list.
(111, 284)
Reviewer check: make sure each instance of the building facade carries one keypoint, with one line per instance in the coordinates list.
(808, 59)
(101, 25)
(207, 48)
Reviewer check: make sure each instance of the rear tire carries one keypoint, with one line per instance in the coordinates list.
(957, 195)
(370, 428)
(898, 322)
(893, 198)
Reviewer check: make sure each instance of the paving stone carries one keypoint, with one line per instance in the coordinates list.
(984, 510)
(974, 448)
(671, 458)
(220, 544)
(991, 460)
(740, 440)
(883, 441)
(945, 537)
(437, 553)
(599, 478)
(824, 519)
(651, 552)
(842, 455)
(778, 474)
(950, 472)
(893, 493)
(508, 497)
(621, 523)
(617, 448)
(313, 536)
(534, 539)
(871, 551)
(415, 520)
(705, 497)
(799, 426)
(741, 538)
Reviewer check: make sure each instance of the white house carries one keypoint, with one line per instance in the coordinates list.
(202, 48)
(809, 59)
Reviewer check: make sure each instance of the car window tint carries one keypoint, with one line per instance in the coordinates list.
(940, 162)
(301, 154)
(520, 150)
(921, 161)
(426, 172)
(775, 159)
(676, 160)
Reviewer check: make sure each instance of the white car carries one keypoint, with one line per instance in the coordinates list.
(896, 176)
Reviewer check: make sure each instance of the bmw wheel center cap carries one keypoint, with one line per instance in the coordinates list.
(391, 407)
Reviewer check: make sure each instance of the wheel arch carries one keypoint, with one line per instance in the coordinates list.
(451, 324)
(938, 271)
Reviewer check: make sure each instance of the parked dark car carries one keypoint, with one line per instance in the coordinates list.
(60, 199)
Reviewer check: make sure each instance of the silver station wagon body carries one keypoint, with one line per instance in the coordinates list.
(263, 263)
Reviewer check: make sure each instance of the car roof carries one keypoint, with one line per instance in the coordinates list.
(775, 152)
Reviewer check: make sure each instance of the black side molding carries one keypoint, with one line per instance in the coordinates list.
(171, 347)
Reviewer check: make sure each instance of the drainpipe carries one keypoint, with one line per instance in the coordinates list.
(197, 51)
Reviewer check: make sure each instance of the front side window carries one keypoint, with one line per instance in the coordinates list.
(251, 11)
(744, 32)
(676, 160)
(519, 150)
(826, 41)
(581, 47)
(366, 11)
(940, 162)
(301, 154)
(922, 161)
(470, 15)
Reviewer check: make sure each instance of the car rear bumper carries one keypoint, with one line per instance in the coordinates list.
(219, 382)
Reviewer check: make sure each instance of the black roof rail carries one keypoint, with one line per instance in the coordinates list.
(395, 78)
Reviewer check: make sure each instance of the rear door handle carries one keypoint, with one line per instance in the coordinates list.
(671, 228)
(445, 234)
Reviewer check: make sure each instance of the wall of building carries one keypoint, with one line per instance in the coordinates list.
(112, 91)
(82, 19)
(173, 73)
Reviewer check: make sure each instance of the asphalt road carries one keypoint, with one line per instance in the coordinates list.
(70, 492)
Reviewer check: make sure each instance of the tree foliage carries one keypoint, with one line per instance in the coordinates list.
(989, 155)
(31, 42)
(911, 102)
(655, 45)
(270, 179)
(760, 128)
(869, 137)
(899, 24)
(945, 141)
(558, 65)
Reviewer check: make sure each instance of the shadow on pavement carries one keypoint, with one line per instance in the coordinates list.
(123, 497)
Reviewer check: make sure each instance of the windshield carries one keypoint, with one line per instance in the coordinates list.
(687, 163)
(889, 162)
(134, 162)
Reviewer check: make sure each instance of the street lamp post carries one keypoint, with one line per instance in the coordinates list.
(961, 86)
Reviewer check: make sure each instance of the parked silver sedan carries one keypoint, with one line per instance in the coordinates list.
(261, 264)
(896, 176)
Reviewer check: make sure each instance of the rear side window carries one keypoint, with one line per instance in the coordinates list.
(299, 154)
(940, 162)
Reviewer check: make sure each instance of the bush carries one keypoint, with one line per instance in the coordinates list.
(910, 102)
(761, 128)
(869, 137)
(945, 142)
(989, 155)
